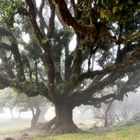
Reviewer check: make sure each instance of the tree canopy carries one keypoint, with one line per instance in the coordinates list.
(37, 58)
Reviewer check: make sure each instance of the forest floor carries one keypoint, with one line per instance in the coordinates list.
(19, 129)
(122, 133)
(21, 133)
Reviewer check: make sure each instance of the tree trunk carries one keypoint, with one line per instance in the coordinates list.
(42, 113)
(35, 118)
(106, 113)
(12, 115)
(63, 122)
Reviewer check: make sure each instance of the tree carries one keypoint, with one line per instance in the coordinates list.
(7, 98)
(34, 104)
(103, 39)
(11, 100)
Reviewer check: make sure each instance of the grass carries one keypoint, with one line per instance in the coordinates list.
(125, 133)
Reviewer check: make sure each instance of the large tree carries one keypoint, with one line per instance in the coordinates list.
(107, 50)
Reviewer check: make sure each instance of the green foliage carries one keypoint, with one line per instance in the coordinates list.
(108, 12)
(117, 10)
(30, 88)
(61, 37)
(8, 9)
(7, 97)
(34, 51)
(59, 41)
(104, 45)
(45, 40)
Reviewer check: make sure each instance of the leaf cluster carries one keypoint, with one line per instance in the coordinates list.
(117, 10)
(8, 10)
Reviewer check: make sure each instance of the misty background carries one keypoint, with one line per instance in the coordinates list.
(17, 110)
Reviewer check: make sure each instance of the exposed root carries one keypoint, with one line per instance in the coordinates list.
(46, 126)
(61, 129)
(53, 127)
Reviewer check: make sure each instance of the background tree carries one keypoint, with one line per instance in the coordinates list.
(103, 38)
(11, 100)
(7, 98)
(33, 104)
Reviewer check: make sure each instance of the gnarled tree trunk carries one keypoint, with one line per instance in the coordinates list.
(63, 121)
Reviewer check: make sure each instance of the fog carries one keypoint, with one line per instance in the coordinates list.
(9, 118)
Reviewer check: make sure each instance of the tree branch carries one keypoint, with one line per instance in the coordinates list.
(4, 82)
(110, 69)
(87, 30)
(47, 55)
(85, 95)
(32, 16)
(42, 21)
(105, 99)
(51, 19)
(15, 51)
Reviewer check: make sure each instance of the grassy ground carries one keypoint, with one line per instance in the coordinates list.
(125, 133)
(13, 126)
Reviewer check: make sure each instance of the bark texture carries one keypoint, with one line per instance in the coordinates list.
(63, 121)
